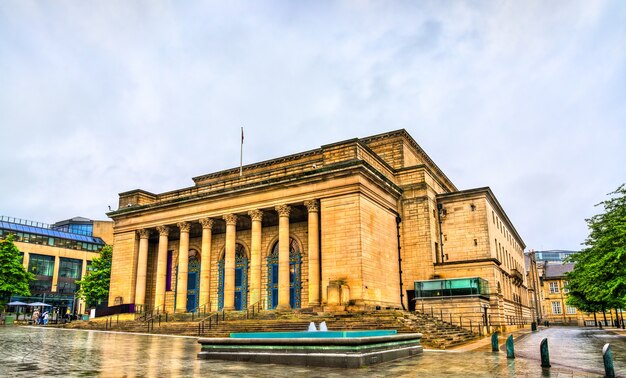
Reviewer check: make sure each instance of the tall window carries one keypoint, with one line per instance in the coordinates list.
(570, 309)
(554, 287)
(71, 268)
(565, 289)
(41, 265)
(556, 308)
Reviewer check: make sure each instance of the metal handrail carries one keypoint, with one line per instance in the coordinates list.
(258, 306)
(210, 321)
(451, 322)
(197, 310)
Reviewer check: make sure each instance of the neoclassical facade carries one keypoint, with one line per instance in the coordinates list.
(355, 223)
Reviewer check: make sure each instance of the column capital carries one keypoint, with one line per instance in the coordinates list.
(184, 226)
(231, 219)
(143, 234)
(312, 205)
(163, 230)
(256, 215)
(207, 223)
(283, 210)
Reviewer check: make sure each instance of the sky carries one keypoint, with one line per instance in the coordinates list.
(102, 97)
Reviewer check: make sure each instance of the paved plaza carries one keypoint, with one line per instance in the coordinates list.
(38, 351)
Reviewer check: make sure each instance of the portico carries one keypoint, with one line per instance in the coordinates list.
(240, 232)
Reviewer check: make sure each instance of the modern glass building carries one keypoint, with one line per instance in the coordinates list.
(58, 255)
(553, 255)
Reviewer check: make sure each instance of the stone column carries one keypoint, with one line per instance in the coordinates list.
(183, 267)
(79, 303)
(314, 252)
(25, 260)
(255, 258)
(161, 272)
(55, 273)
(283, 257)
(205, 262)
(229, 261)
(142, 267)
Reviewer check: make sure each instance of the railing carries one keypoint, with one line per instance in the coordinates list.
(210, 321)
(254, 309)
(200, 310)
(144, 313)
(108, 322)
(465, 323)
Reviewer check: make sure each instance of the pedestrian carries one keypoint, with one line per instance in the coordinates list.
(35, 317)
(45, 318)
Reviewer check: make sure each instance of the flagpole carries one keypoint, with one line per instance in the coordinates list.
(241, 155)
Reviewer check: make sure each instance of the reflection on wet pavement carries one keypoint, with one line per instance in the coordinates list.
(579, 348)
(32, 351)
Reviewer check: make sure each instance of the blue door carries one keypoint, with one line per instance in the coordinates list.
(193, 284)
(241, 280)
(295, 281)
(272, 279)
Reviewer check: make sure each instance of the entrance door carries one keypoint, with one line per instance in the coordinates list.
(193, 284)
(295, 280)
(241, 280)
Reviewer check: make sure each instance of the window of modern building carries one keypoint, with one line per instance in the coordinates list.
(556, 308)
(554, 287)
(570, 309)
(71, 268)
(41, 265)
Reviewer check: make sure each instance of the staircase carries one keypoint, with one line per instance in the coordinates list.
(436, 333)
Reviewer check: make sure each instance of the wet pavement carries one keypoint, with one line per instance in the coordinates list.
(574, 347)
(38, 351)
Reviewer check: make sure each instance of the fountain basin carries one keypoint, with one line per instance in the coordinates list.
(347, 349)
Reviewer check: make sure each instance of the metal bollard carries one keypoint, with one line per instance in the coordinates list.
(494, 342)
(607, 356)
(545, 353)
(510, 350)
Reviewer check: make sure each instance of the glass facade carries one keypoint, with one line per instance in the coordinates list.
(41, 265)
(70, 268)
(554, 255)
(81, 229)
(26, 237)
(451, 287)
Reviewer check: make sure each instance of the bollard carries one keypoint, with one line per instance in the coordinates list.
(533, 326)
(494, 342)
(545, 353)
(607, 356)
(510, 351)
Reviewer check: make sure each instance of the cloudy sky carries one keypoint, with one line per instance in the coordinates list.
(101, 97)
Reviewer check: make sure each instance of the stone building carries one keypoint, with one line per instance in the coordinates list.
(58, 255)
(359, 223)
(552, 274)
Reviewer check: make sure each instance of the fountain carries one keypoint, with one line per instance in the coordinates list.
(347, 349)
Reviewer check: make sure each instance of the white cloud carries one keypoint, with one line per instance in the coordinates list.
(98, 98)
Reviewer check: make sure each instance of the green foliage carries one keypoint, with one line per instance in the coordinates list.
(598, 280)
(94, 287)
(14, 279)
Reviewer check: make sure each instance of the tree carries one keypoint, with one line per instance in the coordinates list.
(94, 287)
(14, 278)
(599, 275)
